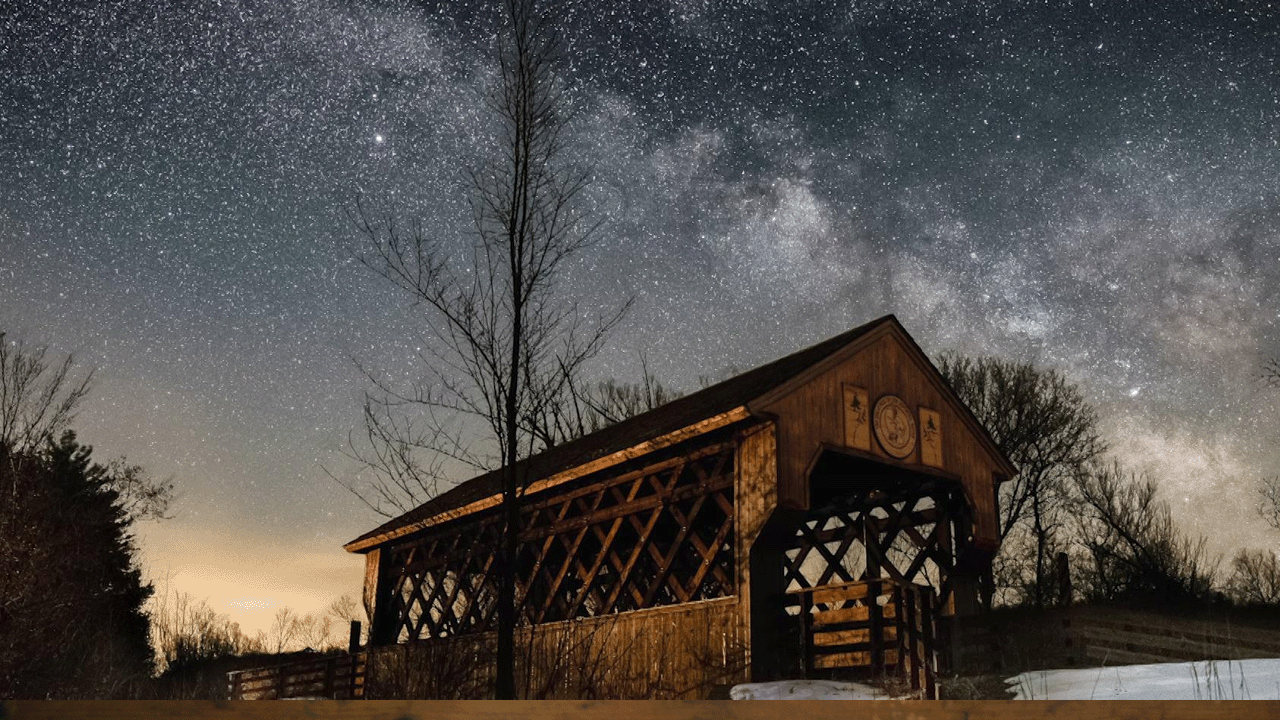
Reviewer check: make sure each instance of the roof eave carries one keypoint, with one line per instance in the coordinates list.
(715, 422)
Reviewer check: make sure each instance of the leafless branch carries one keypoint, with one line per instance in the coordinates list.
(38, 396)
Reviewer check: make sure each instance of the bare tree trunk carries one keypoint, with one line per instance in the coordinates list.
(505, 348)
(1039, 531)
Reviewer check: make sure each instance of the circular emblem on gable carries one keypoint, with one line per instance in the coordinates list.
(894, 426)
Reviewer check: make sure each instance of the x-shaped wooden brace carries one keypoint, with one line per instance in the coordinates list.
(471, 613)
(664, 567)
(793, 569)
(708, 553)
(434, 625)
(462, 575)
(852, 532)
(644, 533)
(606, 550)
(642, 542)
(522, 595)
(571, 556)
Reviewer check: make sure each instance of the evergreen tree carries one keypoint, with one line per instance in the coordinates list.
(71, 592)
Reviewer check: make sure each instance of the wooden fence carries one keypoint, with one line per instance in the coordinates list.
(687, 651)
(1016, 640)
(881, 626)
(336, 677)
(1119, 637)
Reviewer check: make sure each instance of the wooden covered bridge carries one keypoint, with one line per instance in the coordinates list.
(829, 513)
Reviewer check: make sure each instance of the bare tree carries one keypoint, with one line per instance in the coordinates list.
(1255, 578)
(1048, 431)
(315, 631)
(284, 628)
(186, 631)
(1271, 372)
(1135, 549)
(579, 411)
(343, 609)
(38, 396)
(1269, 503)
(504, 343)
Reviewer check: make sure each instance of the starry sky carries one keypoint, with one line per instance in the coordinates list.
(1089, 186)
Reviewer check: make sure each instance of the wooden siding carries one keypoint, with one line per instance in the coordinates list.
(810, 415)
(686, 651)
(755, 497)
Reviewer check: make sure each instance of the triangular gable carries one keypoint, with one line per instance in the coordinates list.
(890, 327)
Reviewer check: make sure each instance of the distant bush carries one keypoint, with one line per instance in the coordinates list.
(196, 646)
(1255, 578)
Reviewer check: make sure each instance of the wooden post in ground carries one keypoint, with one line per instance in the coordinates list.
(876, 631)
(806, 632)
(1064, 580)
(930, 659)
(910, 628)
(353, 658)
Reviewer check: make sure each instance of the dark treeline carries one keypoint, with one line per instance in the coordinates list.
(1072, 500)
(72, 622)
(77, 620)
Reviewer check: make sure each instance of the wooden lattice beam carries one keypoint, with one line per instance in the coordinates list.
(652, 535)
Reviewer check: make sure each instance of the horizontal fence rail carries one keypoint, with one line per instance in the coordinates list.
(1117, 638)
(882, 626)
(336, 677)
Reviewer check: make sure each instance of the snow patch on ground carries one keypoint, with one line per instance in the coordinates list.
(806, 690)
(1204, 680)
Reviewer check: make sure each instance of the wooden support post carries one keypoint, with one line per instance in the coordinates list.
(280, 682)
(908, 637)
(876, 634)
(930, 663)
(353, 640)
(354, 671)
(330, 668)
(379, 600)
(806, 632)
(1064, 580)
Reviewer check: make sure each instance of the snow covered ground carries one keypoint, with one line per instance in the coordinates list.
(1205, 680)
(806, 690)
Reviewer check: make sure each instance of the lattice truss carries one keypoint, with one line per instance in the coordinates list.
(656, 536)
(906, 535)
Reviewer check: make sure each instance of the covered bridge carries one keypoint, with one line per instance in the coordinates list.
(829, 512)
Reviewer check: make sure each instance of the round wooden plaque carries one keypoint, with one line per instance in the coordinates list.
(894, 426)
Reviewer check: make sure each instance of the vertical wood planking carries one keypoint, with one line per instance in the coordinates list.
(813, 414)
(671, 652)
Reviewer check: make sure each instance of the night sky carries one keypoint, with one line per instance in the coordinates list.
(1093, 187)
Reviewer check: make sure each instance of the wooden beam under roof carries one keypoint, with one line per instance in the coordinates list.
(672, 438)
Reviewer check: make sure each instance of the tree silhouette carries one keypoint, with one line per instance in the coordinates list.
(505, 344)
(71, 593)
(1044, 426)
